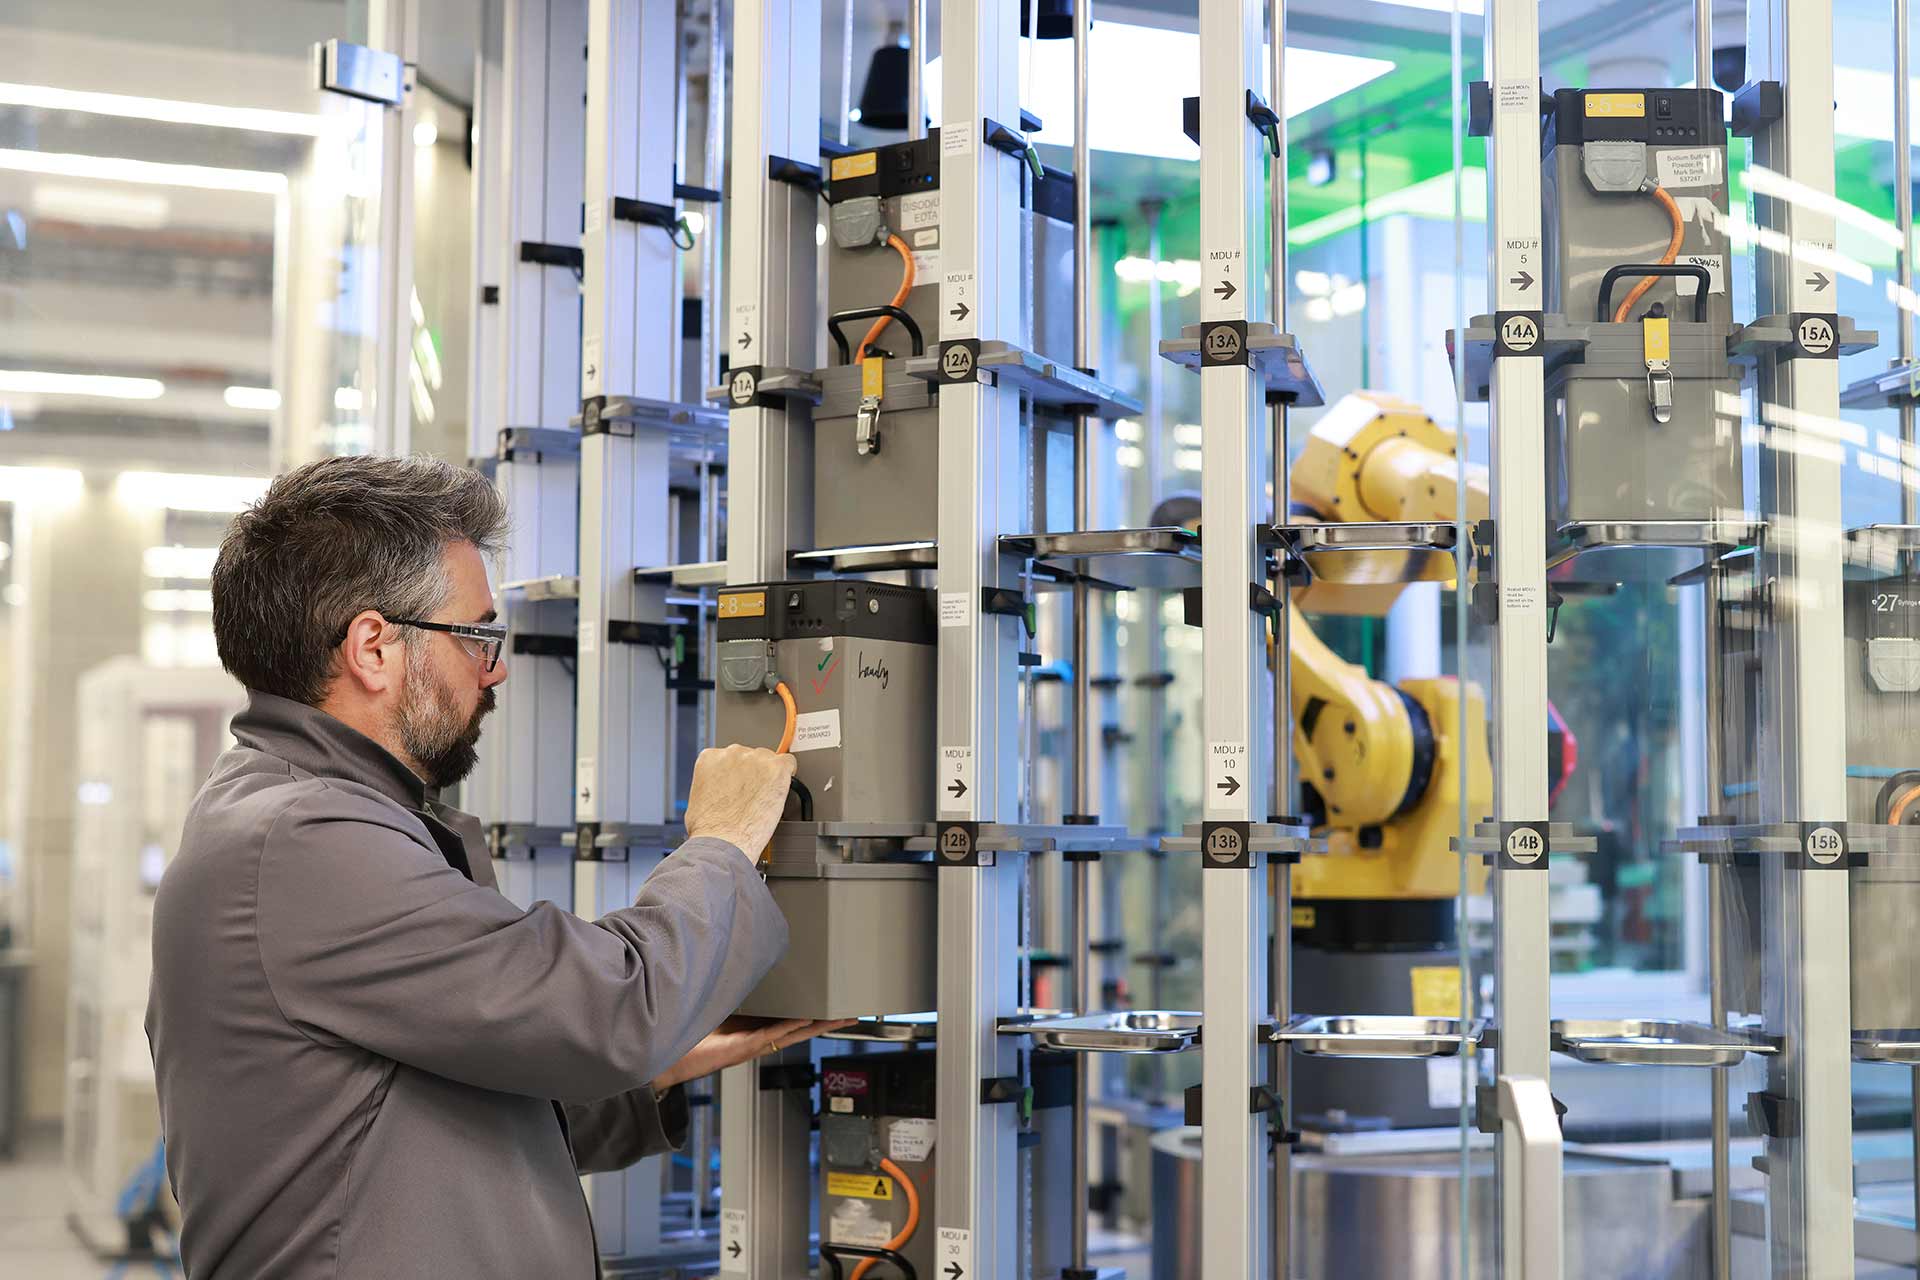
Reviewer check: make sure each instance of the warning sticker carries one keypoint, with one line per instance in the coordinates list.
(955, 610)
(866, 1186)
(816, 730)
(956, 137)
(1716, 265)
(1689, 167)
(910, 1139)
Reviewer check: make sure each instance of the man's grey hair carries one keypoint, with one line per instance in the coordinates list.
(329, 540)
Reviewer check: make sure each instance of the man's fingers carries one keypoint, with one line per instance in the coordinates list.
(808, 1030)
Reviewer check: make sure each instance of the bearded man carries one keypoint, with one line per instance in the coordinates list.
(370, 1062)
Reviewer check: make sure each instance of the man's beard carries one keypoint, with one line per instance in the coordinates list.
(432, 732)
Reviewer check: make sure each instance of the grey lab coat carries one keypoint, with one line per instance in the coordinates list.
(370, 1062)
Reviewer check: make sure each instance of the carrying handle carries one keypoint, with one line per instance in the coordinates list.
(1627, 270)
(845, 348)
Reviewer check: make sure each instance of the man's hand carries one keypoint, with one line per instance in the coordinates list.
(740, 1039)
(738, 795)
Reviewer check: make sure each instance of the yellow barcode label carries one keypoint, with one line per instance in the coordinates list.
(863, 165)
(1615, 105)
(743, 604)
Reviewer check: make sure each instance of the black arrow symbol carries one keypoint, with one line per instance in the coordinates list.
(960, 311)
(1224, 290)
(954, 1270)
(734, 1249)
(746, 339)
(957, 789)
(1524, 280)
(1230, 786)
(1819, 282)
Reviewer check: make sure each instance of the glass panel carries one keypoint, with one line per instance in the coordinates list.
(188, 284)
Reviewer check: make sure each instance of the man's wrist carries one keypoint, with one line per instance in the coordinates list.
(736, 839)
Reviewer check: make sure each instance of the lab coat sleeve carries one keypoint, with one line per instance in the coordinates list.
(615, 1132)
(369, 938)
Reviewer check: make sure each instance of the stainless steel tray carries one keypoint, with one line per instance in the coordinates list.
(1377, 1036)
(871, 559)
(704, 573)
(1654, 1043)
(1166, 558)
(1369, 551)
(1131, 1031)
(1901, 1046)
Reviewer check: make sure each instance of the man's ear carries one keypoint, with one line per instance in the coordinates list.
(373, 667)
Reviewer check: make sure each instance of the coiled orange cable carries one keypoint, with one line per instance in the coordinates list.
(1673, 252)
(793, 715)
(899, 299)
(913, 1216)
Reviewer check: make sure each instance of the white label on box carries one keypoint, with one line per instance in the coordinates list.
(926, 238)
(1687, 286)
(910, 1139)
(926, 263)
(854, 1222)
(1518, 95)
(840, 1104)
(1691, 167)
(956, 137)
(920, 212)
(1443, 1082)
(816, 730)
(955, 1261)
(596, 216)
(734, 1241)
(955, 610)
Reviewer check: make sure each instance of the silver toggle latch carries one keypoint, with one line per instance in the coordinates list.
(866, 426)
(1660, 389)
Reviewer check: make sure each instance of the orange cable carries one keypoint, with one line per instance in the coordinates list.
(1673, 252)
(786, 736)
(899, 299)
(913, 1216)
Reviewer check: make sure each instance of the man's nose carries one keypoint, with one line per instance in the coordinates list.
(498, 675)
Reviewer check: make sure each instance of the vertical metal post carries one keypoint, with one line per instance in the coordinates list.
(1803, 733)
(630, 347)
(1722, 1209)
(1909, 498)
(1903, 219)
(770, 322)
(1235, 1208)
(917, 68)
(394, 25)
(524, 782)
(1520, 640)
(1280, 962)
(977, 1204)
(1082, 739)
